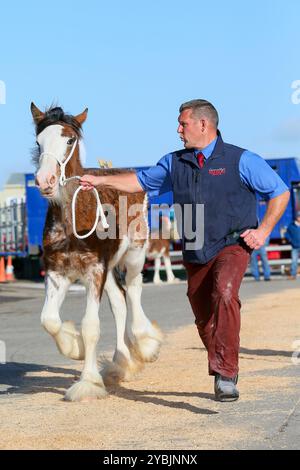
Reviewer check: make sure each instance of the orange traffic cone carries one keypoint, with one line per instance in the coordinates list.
(10, 270)
(2, 270)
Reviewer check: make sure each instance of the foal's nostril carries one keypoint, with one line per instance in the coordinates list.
(52, 180)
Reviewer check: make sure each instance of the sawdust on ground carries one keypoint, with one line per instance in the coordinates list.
(170, 404)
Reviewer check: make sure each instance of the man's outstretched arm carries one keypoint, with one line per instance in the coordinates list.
(155, 180)
(127, 182)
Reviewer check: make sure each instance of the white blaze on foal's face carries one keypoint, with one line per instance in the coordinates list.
(54, 148)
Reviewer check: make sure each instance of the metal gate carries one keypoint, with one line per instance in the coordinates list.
(13, 236)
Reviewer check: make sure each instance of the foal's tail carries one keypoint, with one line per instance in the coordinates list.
(119, 277)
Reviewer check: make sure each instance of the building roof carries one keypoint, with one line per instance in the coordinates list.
(16, 179)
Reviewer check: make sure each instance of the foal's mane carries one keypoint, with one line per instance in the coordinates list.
(56, 115)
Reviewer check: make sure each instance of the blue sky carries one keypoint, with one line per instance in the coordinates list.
(134, 62)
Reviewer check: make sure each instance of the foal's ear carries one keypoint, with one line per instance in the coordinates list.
(81, 117)
(36, 113)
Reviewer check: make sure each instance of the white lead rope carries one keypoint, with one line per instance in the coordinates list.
(99, 212)
(63, 180)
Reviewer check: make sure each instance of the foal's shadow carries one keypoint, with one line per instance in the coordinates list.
(16, 378)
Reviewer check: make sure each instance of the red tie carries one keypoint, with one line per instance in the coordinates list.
(200, 158)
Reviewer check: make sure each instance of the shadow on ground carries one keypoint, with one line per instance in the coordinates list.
(16, 378)
(255, 352)
(148, 396)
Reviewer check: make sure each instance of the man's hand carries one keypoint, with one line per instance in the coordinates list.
(88, 182)
(254, 238)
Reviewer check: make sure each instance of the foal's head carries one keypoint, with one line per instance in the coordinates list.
(57, 135)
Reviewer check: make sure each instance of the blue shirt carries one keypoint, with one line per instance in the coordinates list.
(254, 172)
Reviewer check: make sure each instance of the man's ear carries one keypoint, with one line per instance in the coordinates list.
(81, 117)
(36, 113)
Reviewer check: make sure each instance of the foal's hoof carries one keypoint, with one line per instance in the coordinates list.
(69, 341)
(118, 370)
(147, 347)
(84, 391)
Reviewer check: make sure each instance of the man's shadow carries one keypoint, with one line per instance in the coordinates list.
(265, 352)
(255, 352)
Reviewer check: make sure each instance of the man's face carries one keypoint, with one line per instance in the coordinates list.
(191, 129)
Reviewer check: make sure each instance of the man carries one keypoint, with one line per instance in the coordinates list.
(293, 236)
(223, 179)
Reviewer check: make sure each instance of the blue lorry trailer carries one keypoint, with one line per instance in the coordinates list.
(29, 240)
(289, 171)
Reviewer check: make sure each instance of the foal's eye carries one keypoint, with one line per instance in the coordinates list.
(37, 144)
(71, 141)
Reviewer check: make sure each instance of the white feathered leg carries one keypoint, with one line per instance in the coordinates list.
(156, 278)
(170, 275)
(68, 340)
(90, 386)
(146, 336)
(123, 365)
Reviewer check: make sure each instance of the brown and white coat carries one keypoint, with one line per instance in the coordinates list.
(91, 260)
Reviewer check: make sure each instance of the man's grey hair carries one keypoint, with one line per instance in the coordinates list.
(202, 109)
